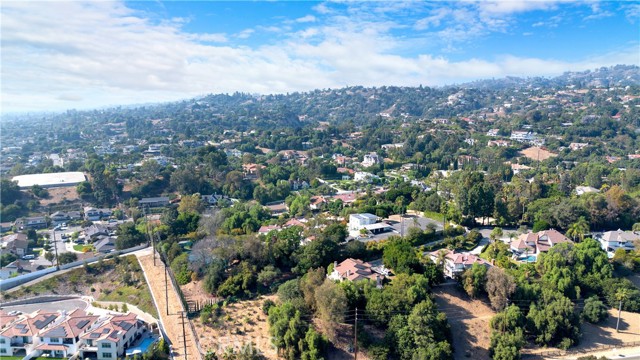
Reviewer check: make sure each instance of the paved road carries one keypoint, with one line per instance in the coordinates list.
(66, 305)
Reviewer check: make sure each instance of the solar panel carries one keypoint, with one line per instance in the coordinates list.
(125, 325)
(95, 335)
(83, 323)
(21, 326)
(57, 332)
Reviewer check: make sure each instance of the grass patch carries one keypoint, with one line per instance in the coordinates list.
(83, 248)
(434, 215)
(11, 357)
(119, 279)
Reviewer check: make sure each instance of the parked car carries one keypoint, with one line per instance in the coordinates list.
(29, 257)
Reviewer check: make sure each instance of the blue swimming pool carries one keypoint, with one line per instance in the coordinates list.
(530, 258)
(142, 348)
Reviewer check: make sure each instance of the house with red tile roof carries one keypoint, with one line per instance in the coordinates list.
(356, 270)
(536, 243)
(456, 263)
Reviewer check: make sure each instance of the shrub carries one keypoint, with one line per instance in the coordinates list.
(594, 310)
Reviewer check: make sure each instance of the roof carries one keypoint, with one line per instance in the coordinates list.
(76, 322)
(30, 326)
(621, 236)
(364, 216)
(14, 237)
(51, 347)
(111, 328)
(355, 269)
(153, 200)
(543, 240)
(51, 180)
(462, 258)
(377, 226)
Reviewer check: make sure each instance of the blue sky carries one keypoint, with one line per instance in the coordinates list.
(59, 55)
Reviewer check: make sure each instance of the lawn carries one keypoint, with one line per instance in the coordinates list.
(119, 279)
(83, 248)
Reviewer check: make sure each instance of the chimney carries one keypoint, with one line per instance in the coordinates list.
(348, 272)
(335, 264)
(378, 282)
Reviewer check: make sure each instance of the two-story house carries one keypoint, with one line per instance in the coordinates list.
(21, 337)
(112, 337)
(537, 243)
(613, 240)
(356, 270)
(36, 222)
(17, 244)
(63, 339)
(454, 264)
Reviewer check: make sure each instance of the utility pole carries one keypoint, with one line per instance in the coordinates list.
(355, 337)
(166, 289)
(55, 248)
(184, 334)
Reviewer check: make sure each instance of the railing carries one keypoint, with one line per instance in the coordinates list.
(553, 353)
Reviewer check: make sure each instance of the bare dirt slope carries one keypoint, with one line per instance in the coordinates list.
(469, 320)
(172, 322)
(58, 195)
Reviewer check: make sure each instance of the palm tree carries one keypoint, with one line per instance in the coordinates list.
(578, 229)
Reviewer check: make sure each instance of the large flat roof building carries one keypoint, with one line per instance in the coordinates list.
(51, 180)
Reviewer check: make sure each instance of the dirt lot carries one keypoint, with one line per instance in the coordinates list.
(172, 323)
(537, 153)
(239, 325)
(58, 195)
(469, 320)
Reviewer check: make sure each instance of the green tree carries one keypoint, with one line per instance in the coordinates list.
(128, 236)
(578, 229)
(554, 320)
(67, 257)
(49, 256)
(473, 280)
(399, 255)
(331, 305)
(594, 310)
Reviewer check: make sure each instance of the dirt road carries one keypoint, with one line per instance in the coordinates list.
(172, 322)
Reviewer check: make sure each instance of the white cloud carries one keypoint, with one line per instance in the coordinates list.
(515, 6)
(306, 19)
(58, 55)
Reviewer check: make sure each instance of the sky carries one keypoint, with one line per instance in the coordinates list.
(59, 55)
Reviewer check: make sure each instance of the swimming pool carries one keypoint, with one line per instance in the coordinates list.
(142, 347)
(530, 258)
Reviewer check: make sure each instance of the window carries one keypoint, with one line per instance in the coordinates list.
(2, 341)
(3, 351)
(106, 345)
(54, 340)
(107, 355)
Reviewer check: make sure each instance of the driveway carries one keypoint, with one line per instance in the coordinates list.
(66, 305)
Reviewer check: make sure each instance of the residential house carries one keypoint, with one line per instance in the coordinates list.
(93, 214)
(96, 230)
(154, 202)
(364, 176)
(613, 240)
(347, 199)
(36, 222)
(493, 132)
(11, 269)
(356, 270)
(371, 159)
(498, 143)
(265, 229)
(581, 190)
(316, 202)
(110, 339)
(105, 244)
(456, 263)
(523, 136)
(392, 146)
(537, 243)
(366, 222)
(215, 199)
(21, 337)
(277, 208)
(298, 184)
(62, 339)
(578, 146)
(5, 227)
(60, 217)
(17, 244)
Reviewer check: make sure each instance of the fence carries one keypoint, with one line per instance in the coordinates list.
(553, 353)
(10, 283)
(184, 303)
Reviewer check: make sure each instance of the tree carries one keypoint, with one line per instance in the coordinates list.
(49, 256)
(554, 320)
(496, 233)
(399, 255)
(67, 257)
(190, 204)
(474, 279)
(594, 310)
(499, 287)
(128, 236)
(578, 229)
(39, 192)
(331, 305)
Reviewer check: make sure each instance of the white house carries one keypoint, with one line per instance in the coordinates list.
(364, 176)
(371, 159)
(581, 190)
(523, 136)
(359, 221)
(613, 240)
(456, 263)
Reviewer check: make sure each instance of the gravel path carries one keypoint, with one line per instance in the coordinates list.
(171, 323)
